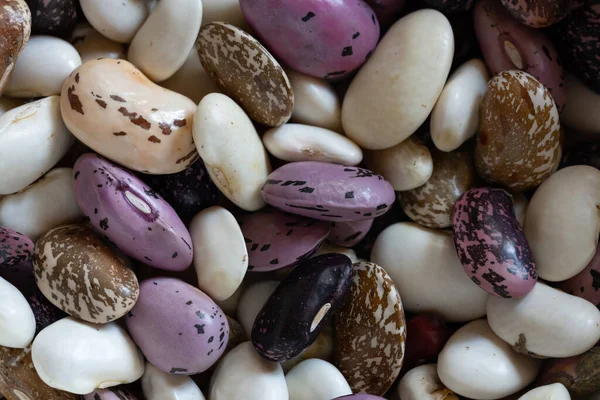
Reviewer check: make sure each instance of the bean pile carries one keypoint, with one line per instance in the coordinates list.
(299, 199)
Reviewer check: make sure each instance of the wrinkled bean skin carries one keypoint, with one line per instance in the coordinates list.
(586, 284)
(53, 17)
(580, 374)
(300, 307)
(518, 144)
(426, 335)
(507, 44)
(491, 245)
(537, 13)
(188, 192)
(326, 39)
(578, 43)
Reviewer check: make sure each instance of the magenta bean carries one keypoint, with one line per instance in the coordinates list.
(491, 245)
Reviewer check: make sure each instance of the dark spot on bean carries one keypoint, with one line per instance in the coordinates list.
(154, 109)
(210, 339)
(165, 128)
(177, 370)
(104, 223)
(136, 119)
(101, 103)
(189, 302)
(147, 258)
(546, 52)
(357, 34)
(77, 174)
(254, 247)
(347, 51)
(192, 154)
(154, 139)
(174, 255)
(307, 190)
(121, 133)
(349, 195)
(308, 16)
(265, 247)
(180, 123)
(200, 314)
(77, 77)
(274, 261)
(200, 328)
(74, 101)
(117, 98)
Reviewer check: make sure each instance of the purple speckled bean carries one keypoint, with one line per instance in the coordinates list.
(131, 215)
(578, 42)
(15, 248)
(349, 234)
(586, 284)
(491, 245)
(328, 192)
(113, 393)
(179, 329)
(277, 240)
(507, 45)
(322, 38)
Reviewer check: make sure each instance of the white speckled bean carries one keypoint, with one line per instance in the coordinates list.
(158, 385)
(297, 142)
(162, 44)
(17, 322)
(34, 132)
(316, 102)
(42, 67)
(31, 211)
(118, 20)
(220, 270)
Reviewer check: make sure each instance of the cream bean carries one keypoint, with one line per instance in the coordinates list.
(192, 80)
(42, 67)
(316, 379)
(158, 385)
(316, 102)
(219, 272)
(546, 322)
(394, 92)
(555, 391)
(426, 270)
(78, 357)
(242, 373)
(296, 142)
(90, 44)
(162, 44)
(406, 166)
(477, 364)
(252, 301)
(17, 322)
(33, 138)
(44, 205)
(118, 20)
(423, 383)
(115, 110)
(455, 117)
(231, 150)
(563, 221)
